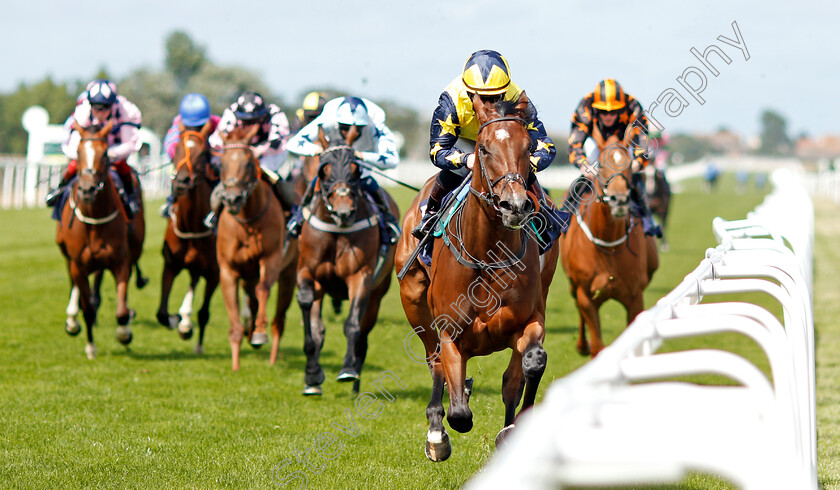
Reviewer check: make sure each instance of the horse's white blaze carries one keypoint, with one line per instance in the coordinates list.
(73, 304)
(502, 134)
(89, 154)
(190, 143)
(435, 436)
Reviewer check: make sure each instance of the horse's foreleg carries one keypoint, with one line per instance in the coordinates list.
(513, 382)
(313, 331)
(589, 316)
(168, 277)
(634, 306)
(358, 288)
(211, 282)
(269, 272)
(534, 360)
(71, 325)
(438, 447)
(230, 285)
(124, 315)
(285, 290)
(185, 311)
(367, 324)
(80, 283)
(455, 370)
(96, 292)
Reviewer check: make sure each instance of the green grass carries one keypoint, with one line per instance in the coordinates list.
(156, 416)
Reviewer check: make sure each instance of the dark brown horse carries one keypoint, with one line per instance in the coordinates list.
(340, 255)
(659, 199)
(249, 246)
(94, 235)
(486, 288)
(187, 243)
(605, 253)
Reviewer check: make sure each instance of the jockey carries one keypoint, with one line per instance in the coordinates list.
(605, 112)
(375, 147)
(193, 114)
(96, 106)
(313, 105)
(268, 145)
(454, 129)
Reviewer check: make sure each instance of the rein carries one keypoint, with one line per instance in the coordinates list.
(468, 260)
(88, 220)
(187, 160)
(185, 235)
(490, 198)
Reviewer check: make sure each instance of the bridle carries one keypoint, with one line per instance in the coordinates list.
(196, 174)
(490, 198)
(605, 198)
(99, 177)
(327, 191)
(251, 184)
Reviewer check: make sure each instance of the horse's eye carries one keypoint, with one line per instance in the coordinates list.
(483, 150)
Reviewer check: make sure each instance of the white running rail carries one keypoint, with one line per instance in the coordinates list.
(615, 422)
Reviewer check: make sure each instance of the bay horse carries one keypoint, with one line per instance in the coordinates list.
(95, 234)
(249, 246)
(659, 199)
(605, 252)
(486, 287)
(187, 243)
(340, 255)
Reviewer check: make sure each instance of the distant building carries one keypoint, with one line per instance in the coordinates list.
(723, 142)
(827, 146)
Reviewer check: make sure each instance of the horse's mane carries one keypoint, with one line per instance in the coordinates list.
(511, 108)
(339, 158)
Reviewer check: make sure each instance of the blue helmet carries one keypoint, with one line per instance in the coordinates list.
(101, 91)
(194, 110)
(249, 106)
(353, 112)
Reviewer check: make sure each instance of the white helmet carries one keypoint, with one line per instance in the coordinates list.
(353, 112)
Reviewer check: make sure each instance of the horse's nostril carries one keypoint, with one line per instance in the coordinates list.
(505, 205)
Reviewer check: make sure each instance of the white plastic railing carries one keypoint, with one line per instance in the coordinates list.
(619, 421)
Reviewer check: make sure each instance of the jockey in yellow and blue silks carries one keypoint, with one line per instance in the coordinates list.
(454, 128)
(605, 112)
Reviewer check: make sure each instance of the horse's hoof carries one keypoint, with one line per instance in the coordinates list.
(72, 327)
(258, 340)
(90, 350)
(438, 447)
(503, 434)
(583, 349)
(199, 349)
(124, 335)
(312, 390)
(347, 375)
(185, 334)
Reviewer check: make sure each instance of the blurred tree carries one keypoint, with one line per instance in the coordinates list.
(58, 99)
(688, 147)
(183, 57)
(774, 138)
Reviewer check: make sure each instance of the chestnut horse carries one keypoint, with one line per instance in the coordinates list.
(249, 245)
(605, 252)
(659, 198)
(340, 255)
(487, 283)
(94, 235)
(187, 243)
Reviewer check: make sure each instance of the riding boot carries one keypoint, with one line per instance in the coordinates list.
(577, 193)
(165, 210)
(392, 226)
(429, 219)
(53, 197)
(637, 197)
(128, 195)
(215, 207)
(285, 192)
(550, 221)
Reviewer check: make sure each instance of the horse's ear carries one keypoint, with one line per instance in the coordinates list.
(522, 104)
(251, 133)
(77, 127)
(352, 135)
(480, 109)
(205, 130)
(181, 127)
(103, 133)
(322, 138)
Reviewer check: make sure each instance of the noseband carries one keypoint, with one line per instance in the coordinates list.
(328, 191)
(607, 199)
(490, 198)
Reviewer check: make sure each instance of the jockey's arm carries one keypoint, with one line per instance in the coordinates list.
(173, 134)
(385, 155)
(304, 143)
(444, 132)
(278, 134)
(130, 136)
(70, 146)
(542, 148)
(579, 132)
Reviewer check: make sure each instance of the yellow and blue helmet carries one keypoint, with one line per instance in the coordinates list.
(609, 96)
(486, 72)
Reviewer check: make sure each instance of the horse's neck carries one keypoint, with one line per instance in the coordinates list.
(256, 202)
(103, 204)
(194, 205)
(481, 231)
(602, 224)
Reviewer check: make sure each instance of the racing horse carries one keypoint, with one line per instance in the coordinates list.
(95, 234)
(659, 199)
(249, 246)
(187, 243)
(486, 286)
(341, 255)
(605, 252)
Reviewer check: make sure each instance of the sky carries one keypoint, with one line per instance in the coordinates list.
(409, 51)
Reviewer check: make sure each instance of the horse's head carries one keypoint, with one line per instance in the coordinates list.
(340, 181)
(92, 159)
(191, 156)
(240, 169)
(616, 174)
(503, 151)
